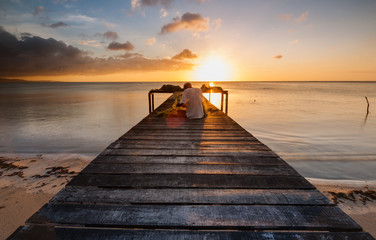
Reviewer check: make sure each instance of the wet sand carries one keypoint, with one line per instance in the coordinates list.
(27, 183)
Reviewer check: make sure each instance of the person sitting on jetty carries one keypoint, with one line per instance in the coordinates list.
(192, 100)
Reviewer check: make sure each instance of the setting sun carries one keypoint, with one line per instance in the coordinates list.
(213, 69)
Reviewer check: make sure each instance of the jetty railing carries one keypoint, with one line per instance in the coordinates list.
(210, 91)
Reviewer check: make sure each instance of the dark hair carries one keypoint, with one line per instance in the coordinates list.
(187, 85)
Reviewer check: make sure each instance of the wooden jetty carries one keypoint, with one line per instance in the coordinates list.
(173, 178)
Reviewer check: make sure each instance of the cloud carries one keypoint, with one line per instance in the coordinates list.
(294, 41)
(80, 18)
(58, 24)
(284, 17)
(200, 1)
(185, 54)
(302, 17)
(91, 43)
(150, 41)
(164, 13)
(149, 3)
(36, 56)
(288, 17)
(130, 55)
(108, 35)
(218, 23)
(60, 1)
(39, 10)
(121, 46)
(189, 21)
(31, 53)
(279, 56)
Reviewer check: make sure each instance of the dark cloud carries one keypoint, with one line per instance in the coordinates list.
(279, 56)
(36, 56)
(108, 35)
(121, 46)
(131, 55)
(189, 21)
(185, 54)
(32, 53)
(58, 24)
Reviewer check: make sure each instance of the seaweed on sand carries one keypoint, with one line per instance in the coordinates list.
(353, 196)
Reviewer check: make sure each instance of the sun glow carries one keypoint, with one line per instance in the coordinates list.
(213, 69)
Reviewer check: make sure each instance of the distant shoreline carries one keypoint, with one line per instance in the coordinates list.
(10, 80)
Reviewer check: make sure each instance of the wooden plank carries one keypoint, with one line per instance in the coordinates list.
(66, 233)
(150, 168)
(252, 160)
(189, 146)
(184, 121)
(186, 132)
(143, 181)
(190, 128)
(178, 136)
(253, 217)
(192, 196)
(197, 142)
(183, 135)
(184, 125)
(189, 152)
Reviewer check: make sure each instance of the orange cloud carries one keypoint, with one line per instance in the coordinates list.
(185, 54)
(150, 41)
(189, 21)
(279, 56)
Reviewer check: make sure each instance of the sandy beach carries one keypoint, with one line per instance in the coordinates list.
(29, 182)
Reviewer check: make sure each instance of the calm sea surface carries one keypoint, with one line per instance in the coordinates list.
(320, 128)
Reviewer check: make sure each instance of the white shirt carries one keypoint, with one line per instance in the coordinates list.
(192, 97)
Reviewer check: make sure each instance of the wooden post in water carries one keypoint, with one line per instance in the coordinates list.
(367, 105)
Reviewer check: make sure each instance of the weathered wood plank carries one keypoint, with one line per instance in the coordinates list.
(143, 181)
(178, 136)
(189, 146)
(189, 128)
(205, 132)
(192, 196)
(150, 168)
(253, 217)
(198, 143)
(208, 119)
(252, 160)
(65, 233)
(189, 152)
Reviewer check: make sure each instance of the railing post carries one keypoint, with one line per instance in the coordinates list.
(222, 101)
(149, 103)
(226, 102)
(152, 101)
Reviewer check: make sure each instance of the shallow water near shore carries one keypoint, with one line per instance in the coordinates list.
(320, 128)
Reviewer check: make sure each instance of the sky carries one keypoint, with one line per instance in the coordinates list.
(188, 40)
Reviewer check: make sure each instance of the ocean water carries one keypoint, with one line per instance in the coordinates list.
(321, 128)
